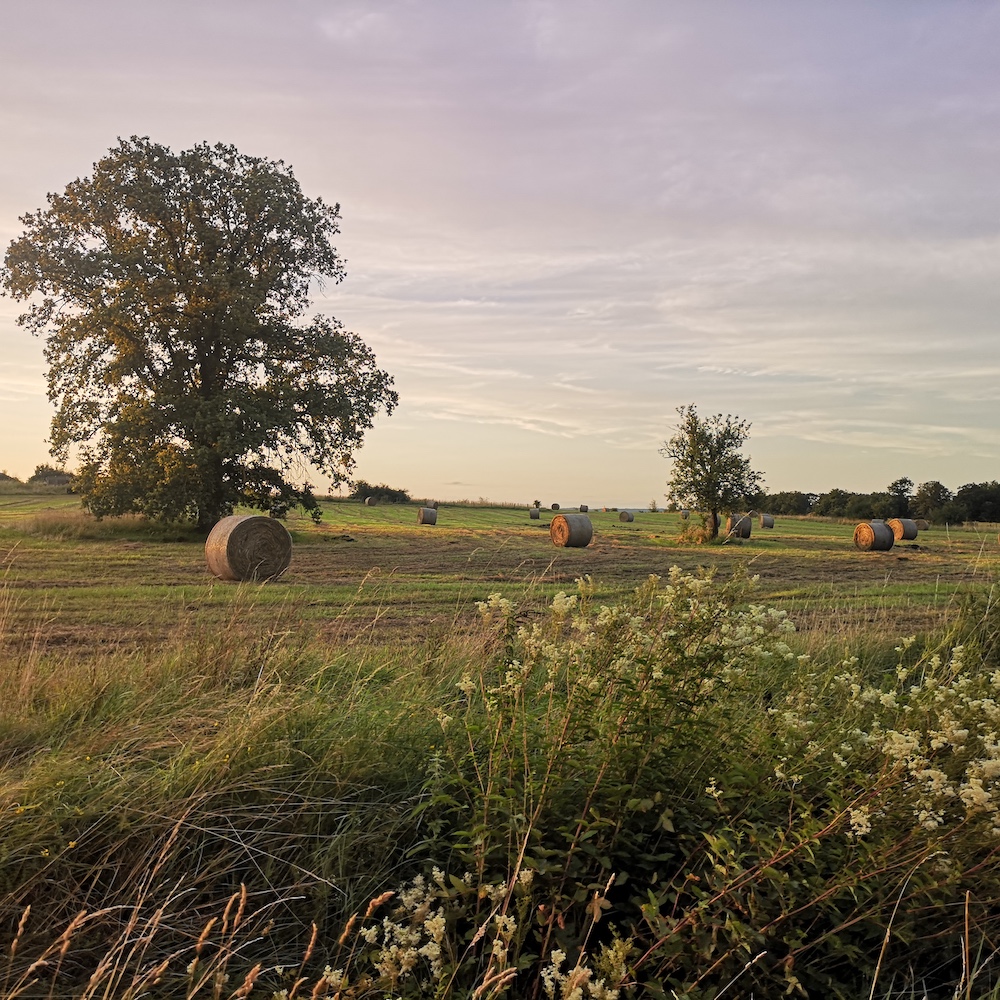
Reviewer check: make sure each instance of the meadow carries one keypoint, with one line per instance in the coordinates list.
(648, 767)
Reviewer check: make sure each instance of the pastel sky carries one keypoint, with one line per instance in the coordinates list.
(563, 219)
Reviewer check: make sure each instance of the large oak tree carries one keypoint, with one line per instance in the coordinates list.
(172, 290)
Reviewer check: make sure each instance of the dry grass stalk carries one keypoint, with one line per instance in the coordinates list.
(738, 526)
(378, 901)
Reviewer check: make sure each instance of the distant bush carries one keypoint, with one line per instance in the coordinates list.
(49, 475)
(788, 502)
(382, 493)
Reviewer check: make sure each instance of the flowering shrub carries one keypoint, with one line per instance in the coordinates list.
(760, 816)
(659, 797)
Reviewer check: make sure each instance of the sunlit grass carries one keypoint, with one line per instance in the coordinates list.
(319, 765)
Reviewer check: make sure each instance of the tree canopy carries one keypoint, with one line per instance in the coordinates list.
(172, 290)
(709, 472)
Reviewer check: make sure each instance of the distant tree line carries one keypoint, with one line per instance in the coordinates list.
(381, 493)
(44, 475)
(931, 500)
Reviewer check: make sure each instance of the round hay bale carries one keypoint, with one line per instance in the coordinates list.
(738, 527)
(248, 547)
(584, 508)
(571, 531)
(922, 525)
(685, 513)
(534, 513)
(370, 501)
(903, 528)
(874, 536)
(433, 505)
(767, 520)
(427, 515)
(626, 515)
(555, 506)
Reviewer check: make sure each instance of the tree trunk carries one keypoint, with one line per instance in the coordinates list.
(211, 504)
(713, 524)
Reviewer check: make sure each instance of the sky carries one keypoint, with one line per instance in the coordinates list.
(563, 219)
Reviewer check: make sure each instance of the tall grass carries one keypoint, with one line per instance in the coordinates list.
(661, 797)
(77, 525)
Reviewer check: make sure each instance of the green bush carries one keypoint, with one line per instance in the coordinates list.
(382, 494)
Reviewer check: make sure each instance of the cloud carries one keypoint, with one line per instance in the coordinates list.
(562, 219)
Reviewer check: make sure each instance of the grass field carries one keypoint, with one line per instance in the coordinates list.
(660, 781)
(81, 585)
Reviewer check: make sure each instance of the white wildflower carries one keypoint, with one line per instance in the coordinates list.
(334, 977)
(860, 821)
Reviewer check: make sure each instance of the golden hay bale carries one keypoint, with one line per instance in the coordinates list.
(571, 531)
(902, 528)
(738, 527)
(427, 515)
(874, 536)
(248, 547)
(767, 520)
(534, 513)
(626, 515)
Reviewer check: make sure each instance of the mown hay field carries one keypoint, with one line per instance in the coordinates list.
(80, 586)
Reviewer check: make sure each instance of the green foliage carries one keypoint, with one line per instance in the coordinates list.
(708, 472)
(48, 475)
(670, 768)
(383, 494)
(789, 502)
(901, 492)
(977, 502)
(171, 289)
(859, 506)
(929, 498)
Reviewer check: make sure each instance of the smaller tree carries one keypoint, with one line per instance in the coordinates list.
(930, 498)
(901, 491)
(709, 473)
(833, 503)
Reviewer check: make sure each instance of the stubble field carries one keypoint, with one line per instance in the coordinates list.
(82, 586)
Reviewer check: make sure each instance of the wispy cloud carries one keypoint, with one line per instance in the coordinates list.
(564, 219)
